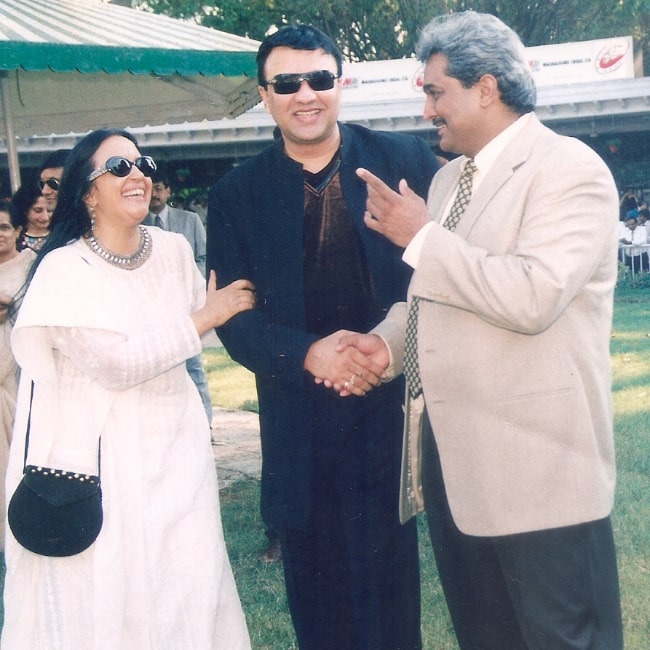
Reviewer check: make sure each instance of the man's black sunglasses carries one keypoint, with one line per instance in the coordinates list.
(121, 167)
(287, 84)
(52, 183)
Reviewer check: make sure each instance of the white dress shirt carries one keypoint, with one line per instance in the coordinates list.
(484, 161)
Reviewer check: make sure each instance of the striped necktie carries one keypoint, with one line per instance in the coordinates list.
(411, 365)
(463, 195)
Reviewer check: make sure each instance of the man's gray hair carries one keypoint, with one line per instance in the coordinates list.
(476, 44)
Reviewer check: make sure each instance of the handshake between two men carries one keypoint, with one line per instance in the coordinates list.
(349, 362)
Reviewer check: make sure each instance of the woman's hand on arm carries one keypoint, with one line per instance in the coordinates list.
(222, 304)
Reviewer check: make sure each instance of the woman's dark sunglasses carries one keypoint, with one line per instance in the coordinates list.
(52, 183)
(288, 84)
(121, 167)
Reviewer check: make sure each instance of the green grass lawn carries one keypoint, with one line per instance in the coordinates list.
(631, 391)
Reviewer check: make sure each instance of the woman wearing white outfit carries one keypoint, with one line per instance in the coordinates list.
(14, 267)
(112, 312)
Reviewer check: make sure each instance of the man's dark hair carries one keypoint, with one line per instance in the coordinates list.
(297, 37)
(162, 175)
(58, 158)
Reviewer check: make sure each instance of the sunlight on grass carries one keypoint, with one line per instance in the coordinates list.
(629, 366)
(634, 400)
(631, 396)
(231, 385)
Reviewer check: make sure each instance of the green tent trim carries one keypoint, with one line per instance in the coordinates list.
(63, 57)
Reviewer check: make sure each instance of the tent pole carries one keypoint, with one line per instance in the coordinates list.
(12, 153)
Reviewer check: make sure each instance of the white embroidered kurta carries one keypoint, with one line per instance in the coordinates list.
(12, 277)
(106, 349)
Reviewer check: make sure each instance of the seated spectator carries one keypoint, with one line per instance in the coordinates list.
(636, 236)
(644, 219)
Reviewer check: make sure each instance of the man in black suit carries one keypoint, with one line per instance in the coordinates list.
(291, 221)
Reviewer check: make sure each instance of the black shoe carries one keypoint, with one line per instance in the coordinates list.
(272, 553)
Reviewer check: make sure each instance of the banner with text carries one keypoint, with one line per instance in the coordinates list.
(551, 65)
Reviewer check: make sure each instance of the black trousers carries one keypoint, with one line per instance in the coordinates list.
(545, 590)
(352, 578)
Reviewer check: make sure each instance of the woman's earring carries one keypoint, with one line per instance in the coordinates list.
(93, 215)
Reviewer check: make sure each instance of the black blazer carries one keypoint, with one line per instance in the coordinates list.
(255, 231)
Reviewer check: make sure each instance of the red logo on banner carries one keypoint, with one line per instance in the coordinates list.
(611, 57)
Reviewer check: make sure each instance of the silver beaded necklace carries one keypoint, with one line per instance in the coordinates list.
(128, 263)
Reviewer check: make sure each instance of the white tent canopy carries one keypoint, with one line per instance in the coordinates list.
(76, 65)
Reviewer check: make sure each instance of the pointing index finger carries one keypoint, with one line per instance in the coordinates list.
(376, 187)
(368, 177)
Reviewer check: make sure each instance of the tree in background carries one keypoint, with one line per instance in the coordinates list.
(368, 30)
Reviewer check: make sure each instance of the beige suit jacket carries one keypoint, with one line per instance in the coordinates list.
(513, 341)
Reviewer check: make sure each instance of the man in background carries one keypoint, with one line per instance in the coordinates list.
(49, 176)
(184, 222)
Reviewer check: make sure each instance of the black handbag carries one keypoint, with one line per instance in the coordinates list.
(55, 512)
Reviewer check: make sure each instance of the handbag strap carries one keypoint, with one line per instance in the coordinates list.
(29, 426)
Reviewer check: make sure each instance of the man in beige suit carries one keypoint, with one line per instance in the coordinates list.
(509, 446)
